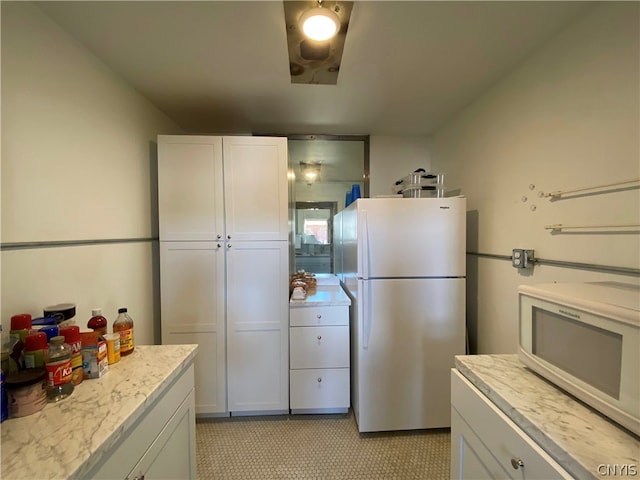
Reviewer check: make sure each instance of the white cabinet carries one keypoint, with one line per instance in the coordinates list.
(161, 444)
(223, 225)
(257, 320)
(486, 444)
(319, 355)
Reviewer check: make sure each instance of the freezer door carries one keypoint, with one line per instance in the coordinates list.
(406, 334)
(418, 237)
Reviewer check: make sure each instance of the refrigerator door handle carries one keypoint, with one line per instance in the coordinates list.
(364, 256)
(366, 315)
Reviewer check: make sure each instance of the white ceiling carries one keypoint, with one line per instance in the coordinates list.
(222, 67)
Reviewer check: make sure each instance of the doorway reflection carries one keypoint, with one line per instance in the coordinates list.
(322, 168)
(314, 236)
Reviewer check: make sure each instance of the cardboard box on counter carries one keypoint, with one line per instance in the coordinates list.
(94, 355)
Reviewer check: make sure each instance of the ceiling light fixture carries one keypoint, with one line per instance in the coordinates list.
(320, 23)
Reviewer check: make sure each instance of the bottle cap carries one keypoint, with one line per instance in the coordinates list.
(71, 333)
(35, 341)
(96, 312)
(50, 331)
(21, 321)
(122, 310)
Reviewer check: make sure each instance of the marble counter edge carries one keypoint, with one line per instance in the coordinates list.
(337, 298)
(578, 463)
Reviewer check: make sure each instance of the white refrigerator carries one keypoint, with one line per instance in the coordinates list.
(402, 261)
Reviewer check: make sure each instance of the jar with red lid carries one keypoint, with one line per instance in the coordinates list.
(35, 346)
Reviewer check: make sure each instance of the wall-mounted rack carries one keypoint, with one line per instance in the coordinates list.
(595, 189)
(559, 227)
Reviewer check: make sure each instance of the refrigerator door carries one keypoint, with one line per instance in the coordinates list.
(405, 335)
(411, 237)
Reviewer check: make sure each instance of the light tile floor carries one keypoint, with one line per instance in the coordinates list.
(316, 447)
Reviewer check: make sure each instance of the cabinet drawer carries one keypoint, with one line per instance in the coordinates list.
(316, 316)
(503, 438)
(319, 388)
(319, 347)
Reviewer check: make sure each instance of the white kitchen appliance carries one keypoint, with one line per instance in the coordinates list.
(402, 261)
(585, 338)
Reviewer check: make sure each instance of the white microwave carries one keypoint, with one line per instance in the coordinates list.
(585, 338)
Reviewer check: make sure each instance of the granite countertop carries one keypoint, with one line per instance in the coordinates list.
(324, 296)
(67, 438)
(575, 435)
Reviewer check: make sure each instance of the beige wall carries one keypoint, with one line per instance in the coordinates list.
(78, 156)
(393, 157)
(568, 117)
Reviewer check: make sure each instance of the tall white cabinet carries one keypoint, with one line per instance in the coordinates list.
(224, 266)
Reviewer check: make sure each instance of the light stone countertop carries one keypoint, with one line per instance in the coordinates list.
(66, 439)
(325, 296)
(575, 435)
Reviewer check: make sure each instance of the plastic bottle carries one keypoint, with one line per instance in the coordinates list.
(35, 346)
(72, 337)
(97, 322)
(124, 326)
(59, 371)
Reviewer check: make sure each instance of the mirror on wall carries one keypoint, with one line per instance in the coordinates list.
(322, 169)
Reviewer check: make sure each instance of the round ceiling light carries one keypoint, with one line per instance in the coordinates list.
(320, 23)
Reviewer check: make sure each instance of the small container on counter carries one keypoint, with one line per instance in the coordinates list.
(97, 322)
(124, 326)
(64, 312)
(59, 371)
(113, 347)
(72, 337)
(26, 392)
(43, 321)
(94, 355)
(35, 346)
(50, 331)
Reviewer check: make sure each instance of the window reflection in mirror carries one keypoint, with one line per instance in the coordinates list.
(323, 168)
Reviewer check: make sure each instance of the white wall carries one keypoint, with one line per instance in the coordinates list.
(78, 163)
(568, 117)
(393, 157)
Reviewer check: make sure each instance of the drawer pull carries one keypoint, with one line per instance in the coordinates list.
(319, 337)
(318, 316)
(516, 463)
(319, 379)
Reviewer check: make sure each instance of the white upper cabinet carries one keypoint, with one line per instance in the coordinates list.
(190, 188)
(255, 183)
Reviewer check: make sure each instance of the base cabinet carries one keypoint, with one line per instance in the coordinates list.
(486, 444)
(319, 357)
(161, 444)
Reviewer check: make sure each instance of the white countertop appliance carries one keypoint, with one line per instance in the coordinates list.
(403, 264)
(585, 338)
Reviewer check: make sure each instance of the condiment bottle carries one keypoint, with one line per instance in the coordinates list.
(35, 346)
(97, 322)
(124, 326)
(59, 371)
(72, 337)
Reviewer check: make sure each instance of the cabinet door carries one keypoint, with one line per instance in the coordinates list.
(257, 326)
(255, 182)
(172, 454)
(192, 303)
(494, 439)
(190, 188)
